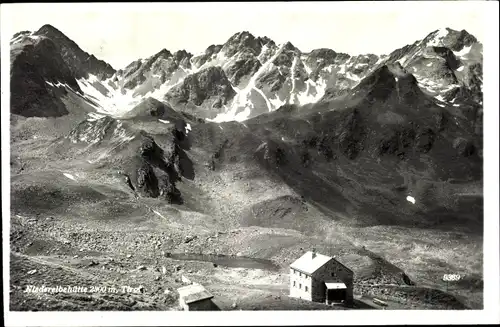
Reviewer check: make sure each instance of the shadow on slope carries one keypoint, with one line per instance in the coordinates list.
(358, 163)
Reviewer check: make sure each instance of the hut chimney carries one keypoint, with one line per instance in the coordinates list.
(313, 253)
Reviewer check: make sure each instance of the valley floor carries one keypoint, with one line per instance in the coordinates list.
(143, 275)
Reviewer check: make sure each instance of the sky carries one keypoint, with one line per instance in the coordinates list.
(120, 33)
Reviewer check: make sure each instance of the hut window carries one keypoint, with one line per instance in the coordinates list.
(293, 283)
(306, 288)
(300, 286)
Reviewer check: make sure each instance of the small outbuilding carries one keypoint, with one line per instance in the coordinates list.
(195, 297)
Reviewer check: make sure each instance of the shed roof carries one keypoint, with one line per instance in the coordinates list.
(194, 293)
(307, 264)
(335, 285)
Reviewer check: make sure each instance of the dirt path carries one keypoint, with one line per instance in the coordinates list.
(50, 263)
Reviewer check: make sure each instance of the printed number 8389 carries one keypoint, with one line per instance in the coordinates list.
(451, 277)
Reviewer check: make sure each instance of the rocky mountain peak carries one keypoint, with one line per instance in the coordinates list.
(323, 53)
(322, 57)
(79, 62)
(183, 58)
(447, 37)
(240, 42)
(50, 31)
(241, 36)
(391, 83)
(181, 54)
(209, 53)
(163, 53)
(265, 40)
(289, 46)
(383, 75)
(214, 48)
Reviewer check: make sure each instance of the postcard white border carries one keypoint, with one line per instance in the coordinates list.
(490, 313)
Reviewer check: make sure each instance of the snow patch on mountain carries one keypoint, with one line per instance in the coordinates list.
(353, 77)
(217, 60)
(121, 136)
(95, 116)
(465, 51)
(294, 65)
(59, 85)
(314, 92)
(263, 52)
(440, 98)
(342, 69)
(307, 68)
(242, 98)
(109, 100)
(277, 102)
(449, 88)
(159, 214)
(232, 114)
(69, 176)
(437, 40)
(17, 39)
(380, 60)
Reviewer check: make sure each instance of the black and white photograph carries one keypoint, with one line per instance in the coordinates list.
(324, 159)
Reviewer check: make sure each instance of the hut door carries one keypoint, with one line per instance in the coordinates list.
(336, 295)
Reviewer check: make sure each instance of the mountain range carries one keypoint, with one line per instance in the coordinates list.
(247, 75)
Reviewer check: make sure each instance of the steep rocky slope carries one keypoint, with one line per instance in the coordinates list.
(209, 88)
(37, 72)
